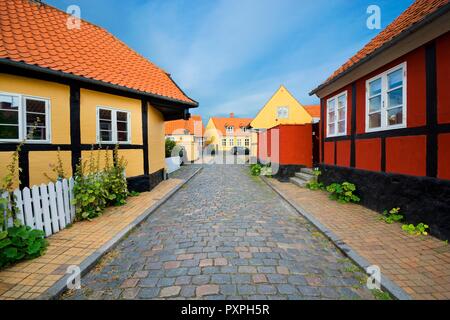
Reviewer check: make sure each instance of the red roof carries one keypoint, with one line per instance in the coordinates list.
(314, 110)
(222, 123)
(37, 34)
(194, 126)
(416, 13)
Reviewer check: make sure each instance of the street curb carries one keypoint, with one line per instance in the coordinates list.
(55, 291)
(388, 285)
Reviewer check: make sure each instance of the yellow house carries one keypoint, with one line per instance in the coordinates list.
(188, 134)
(78, 87)
(223, 134)
(283, 108)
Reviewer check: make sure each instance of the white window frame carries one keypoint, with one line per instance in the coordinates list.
(224, 142)
(23, 118)
(285, 112)
(384, 99)
(114, 125)
(336, 121)
(231, 142)
(247, 142)
(230, 129)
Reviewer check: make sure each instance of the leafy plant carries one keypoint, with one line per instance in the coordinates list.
(19, 243)
(57, 168)
(315, 184)
(343, 193)
(419, 230)
(255, 169)
(392, 216)
(170, 145)
(115, 181)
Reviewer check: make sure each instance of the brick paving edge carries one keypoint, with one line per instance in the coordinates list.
(55, 291)
(388, 285)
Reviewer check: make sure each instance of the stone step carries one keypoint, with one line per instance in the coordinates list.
(298, 182)
(304, 176)
(307, 170)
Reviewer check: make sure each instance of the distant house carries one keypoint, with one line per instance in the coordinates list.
(386, 118)
(225, 133)
(188, 134)
(283, 108)
(82, 87)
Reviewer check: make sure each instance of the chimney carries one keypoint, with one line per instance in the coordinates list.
(232, 115)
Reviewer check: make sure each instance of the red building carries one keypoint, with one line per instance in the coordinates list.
(386, 118)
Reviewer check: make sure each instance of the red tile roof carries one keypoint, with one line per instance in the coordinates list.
(314, 110)
(416, 13)
(37, 34)
(222, 123)
(194, 126)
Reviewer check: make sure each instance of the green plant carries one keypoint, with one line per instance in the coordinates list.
(255, 169)
(419, 230)
(135, 194)
(57, 168)
(19, 243)
(315, 184)
(392, 216)
(170, 145)
(266, 171)
(114, 180)
(381, 295)
(343, 193)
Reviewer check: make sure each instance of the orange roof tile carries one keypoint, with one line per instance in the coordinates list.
(194, 126)
(314, 110)
(222, 123)
(37, 34)
(416, 13)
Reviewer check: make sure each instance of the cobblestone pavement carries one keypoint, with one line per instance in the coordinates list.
(224, 235)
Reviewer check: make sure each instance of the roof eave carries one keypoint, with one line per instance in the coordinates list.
(428, 19)
(70, 76)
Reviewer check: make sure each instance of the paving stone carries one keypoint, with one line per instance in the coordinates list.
(188, 291)
(287, 289)
(170, 291)
(165, 282)
(228, 289)
(277, 278)
(201, 279)
(171, 264)
(220, 262)
(247, 269)
(221, 278)
(259, 278)
(148, 293)
(205, 290)
(130, 283)
(183, 280)
(266, 289)
(129, 294)
(246, 289)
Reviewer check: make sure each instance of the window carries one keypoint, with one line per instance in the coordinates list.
(231, 142)
(239, 142)
(113, 126)
(247, 142)
(224, 142)
(283, 113)
(230, 129)
(337, 115)
(244, 129)
(24, 118)
(385, 103)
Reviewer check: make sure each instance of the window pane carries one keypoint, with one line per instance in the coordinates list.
(395, 79)
(122, 136)
(9, 132)
(332, 117)
(9, 102)
(331, 105)
(341, 114)
(105, 114)
(122, 126)
(395, 98)
(35, 106)
(9, 117)
(341, 101)
(395, 116)
(331, 128)
(375, 104)
(122, 116)
(105, 136)
(375, 120)
(375, 87)
(341, 127)
(105, 125)
(34, 119)
(34, 133)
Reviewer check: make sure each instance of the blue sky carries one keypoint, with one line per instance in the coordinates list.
(232, 55)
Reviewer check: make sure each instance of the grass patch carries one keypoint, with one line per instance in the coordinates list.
(381, 295)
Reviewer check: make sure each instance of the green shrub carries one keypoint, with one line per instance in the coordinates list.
(19, 243)
(255, 169)
(392, 216)
(170, 145)
(315, 184)
(419, 230)
(115, 181)
(343, 193)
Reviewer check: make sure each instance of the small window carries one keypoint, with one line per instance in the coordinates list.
(247, 142)
(283, 113)
(239, 143)
(113, 126)
(230, 129)
(224, 142)
(337, 115)
(24, 118)
(231, 142)
(386, 100)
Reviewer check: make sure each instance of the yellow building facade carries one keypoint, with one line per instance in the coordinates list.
(188, 134)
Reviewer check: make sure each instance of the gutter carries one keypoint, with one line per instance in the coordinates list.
(428, 19)
(70, 76)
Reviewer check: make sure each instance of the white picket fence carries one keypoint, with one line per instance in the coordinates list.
(47, 207)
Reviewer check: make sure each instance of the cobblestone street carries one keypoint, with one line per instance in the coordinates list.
(224, 235)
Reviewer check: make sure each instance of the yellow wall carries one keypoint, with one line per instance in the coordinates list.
(267, 116)
(156, 140)
(5, 160)
(135, 162)
(58, 94)
(40, 165)
(214, 135)
(98, 155)
(90, 100)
